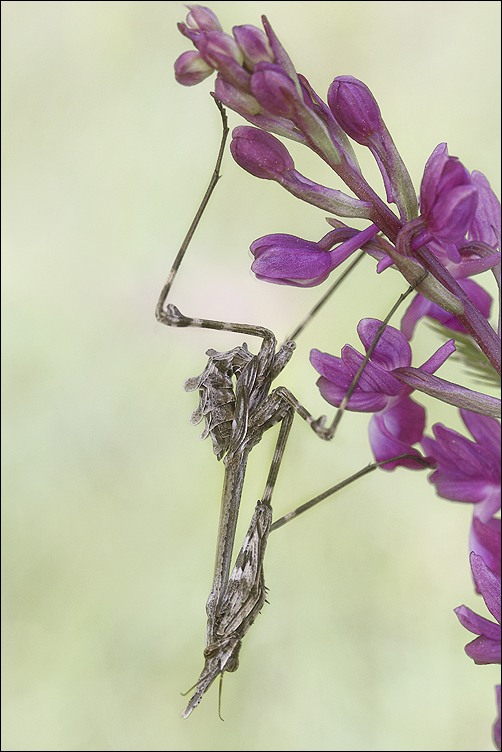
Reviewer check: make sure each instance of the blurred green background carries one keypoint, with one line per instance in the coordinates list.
(110, 500)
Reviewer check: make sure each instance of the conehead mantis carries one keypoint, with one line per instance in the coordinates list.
(239, 405)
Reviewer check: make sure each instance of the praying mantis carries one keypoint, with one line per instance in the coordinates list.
(238, 404)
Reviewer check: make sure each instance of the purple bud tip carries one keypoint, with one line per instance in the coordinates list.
(254, 45)
(191, 69)
(448, 199)
(274, 89)
(260, 153)
(354, 108)
(219, 48)
(200, 17)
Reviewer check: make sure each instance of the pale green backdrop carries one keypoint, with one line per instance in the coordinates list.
(110, 500)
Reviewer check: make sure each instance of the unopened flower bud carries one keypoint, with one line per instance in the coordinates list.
(354, 108)
(260, 153)
(274, 89)
(289, 260)
(202, 18)
(190, 68)
(357, 113)
(222, 52)
(217, 47)
(254, 45)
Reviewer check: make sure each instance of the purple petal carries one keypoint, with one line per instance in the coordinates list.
(485, 430)
(497, 735)
(477, 624)
(488, 585)
(235, 98)
(281, 57)
(453, 214)
(465, 472)
(373, 378)
(364, 402)
(439, 357)
(331, 367)
(486, 223)
(448, 199)
(290, 265)
(392, 350)
(485, 538)
(468, 267)
(484, 650)
(200, 17)
(432, 173)
(335, 381)
(289, 260)
(393, 431)
(281, 240)
(418, 308)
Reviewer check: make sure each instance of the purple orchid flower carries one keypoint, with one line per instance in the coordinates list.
(449, 219)
(485, 649)
(448, 201)
(399, 421)
(475, 254)
(451, 212)
(468, 471)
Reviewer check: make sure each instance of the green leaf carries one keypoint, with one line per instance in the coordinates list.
(468, 353)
